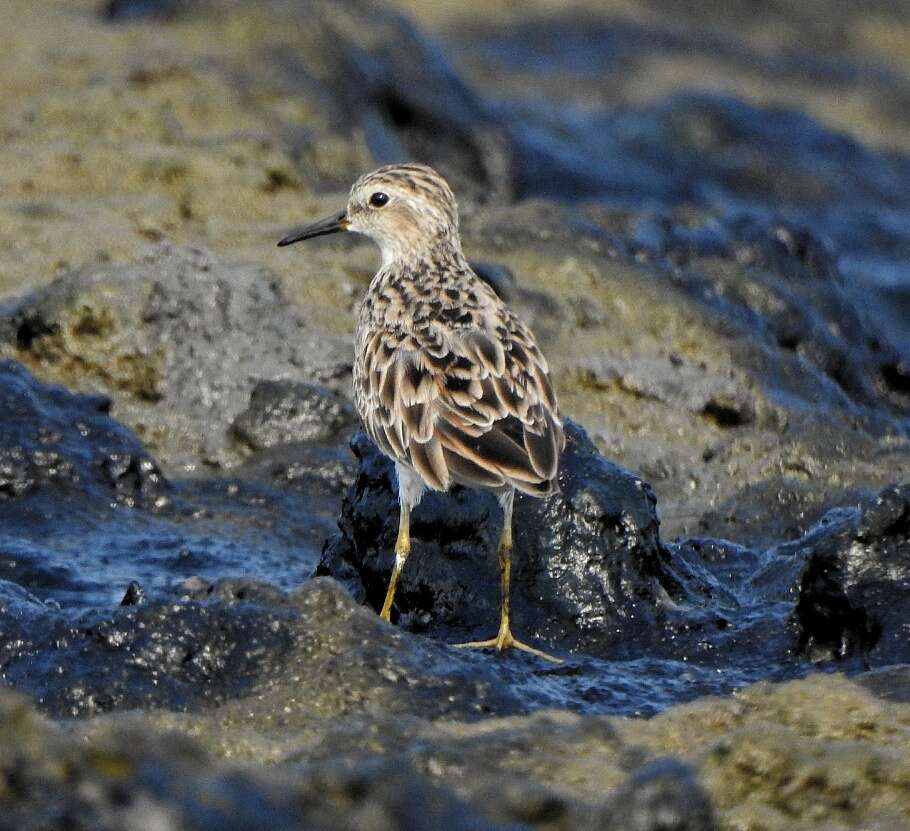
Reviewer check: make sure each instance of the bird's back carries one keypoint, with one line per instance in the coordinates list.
(449, 382)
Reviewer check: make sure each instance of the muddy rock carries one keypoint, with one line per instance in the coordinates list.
(720, 379)
(154, 654)
(270, 674)
(277, 663)
(129, 774)
(821, 735)
(749, 239)
(779, 753)
(800, 328)
(321, 472)
(800, 473)
(394, 85)
(301, 656)
(132, 777)
(775, 289)
(889, 683)
(782, 752)
(672, 380)
(663, 794)
(711, 248)
(808, 312)
(523, 770)
(177, 340)
(592, 576)
(282, 412)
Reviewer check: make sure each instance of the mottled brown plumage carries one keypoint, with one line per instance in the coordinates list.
(449, 383)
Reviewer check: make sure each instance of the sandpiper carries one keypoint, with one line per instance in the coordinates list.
(449, 383)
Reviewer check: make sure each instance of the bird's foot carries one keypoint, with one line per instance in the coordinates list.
(503, 641)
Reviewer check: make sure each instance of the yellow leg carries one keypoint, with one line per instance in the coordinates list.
(504, 639)
(402, 549)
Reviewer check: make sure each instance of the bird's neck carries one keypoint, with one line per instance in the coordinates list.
(440, 263)
(406, 251)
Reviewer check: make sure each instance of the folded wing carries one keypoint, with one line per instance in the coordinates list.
(474, 406)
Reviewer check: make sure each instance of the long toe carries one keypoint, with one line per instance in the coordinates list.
(491, 643)
(532, 651)
(504, 641)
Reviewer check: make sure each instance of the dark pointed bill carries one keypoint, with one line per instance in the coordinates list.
(330, 225)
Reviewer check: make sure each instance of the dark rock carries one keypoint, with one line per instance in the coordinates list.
(888, 683)
(589, 571)
(781, 507)
(855, 585)
(234, 590)
(208, 644)
(119, 10)
(51, 438)
(176, 340)
(134, 595)
(399, 86)
(586, 559)
(85, 511)
(312, 469)
(281, 412)
(241, 643)
(698, 147)
(16, 602)
(828, 348)
(157, 654)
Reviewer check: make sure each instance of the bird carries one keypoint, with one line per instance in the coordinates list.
(449, 383)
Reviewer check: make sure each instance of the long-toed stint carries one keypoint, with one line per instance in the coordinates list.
(449, 383)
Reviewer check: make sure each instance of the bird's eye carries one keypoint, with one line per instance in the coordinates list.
(378, 199)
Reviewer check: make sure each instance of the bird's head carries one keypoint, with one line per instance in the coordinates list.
(406, 209)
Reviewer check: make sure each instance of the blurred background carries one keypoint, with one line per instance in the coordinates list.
(707, 205)
(209, 119)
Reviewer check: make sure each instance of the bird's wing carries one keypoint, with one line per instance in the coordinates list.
(474, 406)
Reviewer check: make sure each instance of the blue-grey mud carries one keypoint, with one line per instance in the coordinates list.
(703, 210)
